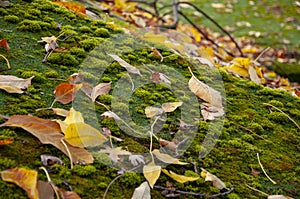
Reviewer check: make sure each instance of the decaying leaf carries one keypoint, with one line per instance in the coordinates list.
(136, 159)
(75, 7)
(45, 190)
(6, 141)
(167, 158)
(100, 89)
(48, 132)
(50, 160)
(60, 112)
(170, 145)
(170, 106)
(205, 92)
(4, 44)
(151, 173)
(142, 192)
(110, 114)
(210, 112)
(82, 135)
(24, 178)
(75, 78)
(68, 194)
(127, 66)
(65, 92)
(179, 178)
(279, 197)
(152, 111)
(205, 61)
(157, 77)
(214, 179)
(12, 84)
(114, 153)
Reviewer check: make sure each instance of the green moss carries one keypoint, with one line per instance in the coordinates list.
(11, 18)
(33, 26)
(90, 43)
(85, 29)
(79, 52)
(51, 74)
(38, 77)
(84, 170)
(102, 32)
(63, 59)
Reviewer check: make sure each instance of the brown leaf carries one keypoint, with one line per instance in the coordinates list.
(24, 178)
(210, 112)
(254, 172)
(129, 68)
(48, 132)
(75, 78)
(12, 84)
(68, 194)
(157, 77)
(205, 92)
(170, 145)
(65, 92)
(45, 190)
(100, 89)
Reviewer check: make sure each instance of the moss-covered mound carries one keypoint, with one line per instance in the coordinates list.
(250, 125)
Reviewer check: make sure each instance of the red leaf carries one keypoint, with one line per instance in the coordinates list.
(4, 44)
(65, 92)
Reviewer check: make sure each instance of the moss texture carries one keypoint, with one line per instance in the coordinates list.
(249, 126)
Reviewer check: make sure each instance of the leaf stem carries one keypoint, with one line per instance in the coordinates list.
(264, 170)
(50, 181)
(68, 151)
(8, 65)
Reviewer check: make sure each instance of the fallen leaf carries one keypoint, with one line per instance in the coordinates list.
(170, 106)
(12, 84)
(48, 132)
(157, 54)
(152, 111)
(76, 78)
(114, 153)
(50, 160)
(205, 62)
(72, 117)
(179, 178)
(142, 192)
(110, 114)
(157, 77)
(214, 179)
(6, 141)
(210, 112)
(45, 190)
(65, 92)
(254, 172)
(168, 144)
(127, 66)
(87, 89)
(68, 194)
(279, 197)
(151, 173)
(253, 75)
(82, 135)
(77, 8)
(205, 92)
(100, 89)
(60, 112)
(4, 44)
(136, 159)
(167, 158)
(239, 66)
(124, 6)
(24, 178)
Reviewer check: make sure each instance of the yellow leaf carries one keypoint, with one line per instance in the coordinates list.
(82, 135)
(253, 75)
(214, 179)
(171, 106)
(24, 178)
(179, 178)
(151, 173)
(126, 7)
(167, 158)
(72, 117)
(152, 111)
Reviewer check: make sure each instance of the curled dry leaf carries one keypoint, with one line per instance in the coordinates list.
(210, 112)
(170, 106)
(167, 158)
(50, 160)
(48, 132)
(214, 179)
(60, 112)
(127, 66)
(179, 178)
(4, 44)
(157, 77)
(100, 89)
(151, 173)
(24, 178)
(205, 92)
(65, 92)
(12, 84)
(142, 192)
(114, 153)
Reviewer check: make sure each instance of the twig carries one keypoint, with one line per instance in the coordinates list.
(195, 194)
(267, 104)
(68, 151)
(132, 84)
(101, 104)
(50, 181)
(107, 188)
(8, 65)
(264, 170)
(261, 54)
(175, 10)
(257, 190)
(214, 22)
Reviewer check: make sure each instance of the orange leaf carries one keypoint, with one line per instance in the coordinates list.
(4, 44)
(65, 92)
(77, 8)
(24, 178)
(6, 141)
(48, 132)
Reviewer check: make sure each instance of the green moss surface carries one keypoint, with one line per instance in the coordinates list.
(249, 126)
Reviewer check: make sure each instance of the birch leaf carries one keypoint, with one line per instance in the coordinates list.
(142, 192)
(205, 92)
(214, 179)
(151, 173)
(12, 84)
(24, 178)
(127, 66)
(167, 158)
(100, 89)
(170, 106)
(179, 178)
